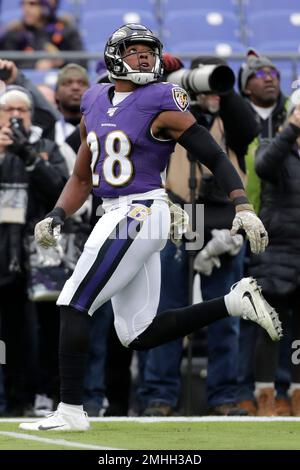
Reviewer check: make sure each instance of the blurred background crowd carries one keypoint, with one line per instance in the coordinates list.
(238, 60)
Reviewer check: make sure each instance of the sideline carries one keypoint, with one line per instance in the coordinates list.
(175, 419)
(57, 442)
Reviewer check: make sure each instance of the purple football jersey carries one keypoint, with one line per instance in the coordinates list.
(126, 158)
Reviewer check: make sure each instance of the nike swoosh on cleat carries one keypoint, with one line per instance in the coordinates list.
(249, 296)
(47, 428)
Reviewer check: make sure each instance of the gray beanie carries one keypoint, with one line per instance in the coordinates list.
(253, 63)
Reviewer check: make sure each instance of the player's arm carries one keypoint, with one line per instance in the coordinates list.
(72, 197)
(183, 128)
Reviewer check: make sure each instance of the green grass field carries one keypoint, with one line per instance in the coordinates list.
(190, 435)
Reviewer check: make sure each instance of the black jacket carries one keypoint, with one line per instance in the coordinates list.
(278, 165)
(239, 120)
(268, 128)
(240, 128)
(45, 183)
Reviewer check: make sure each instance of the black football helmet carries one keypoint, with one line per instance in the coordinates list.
(115, 46)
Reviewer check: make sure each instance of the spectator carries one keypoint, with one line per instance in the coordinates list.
(259, 84)
(277, 164)
(41, 29)
(72, 82)
(44, 115)
(32, 174)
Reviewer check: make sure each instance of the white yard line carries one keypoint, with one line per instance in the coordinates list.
(175, 419)
(57, 442)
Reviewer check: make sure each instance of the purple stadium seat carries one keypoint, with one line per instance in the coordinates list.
(98, 26)
(261, 6)
(8, 15)
(213, 5)
(41, 76)
(223, 49)
(185, 27)
(288, 75)
(131, 5)
(277, 30)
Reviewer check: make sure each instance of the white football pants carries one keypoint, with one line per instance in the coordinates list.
(121, 262)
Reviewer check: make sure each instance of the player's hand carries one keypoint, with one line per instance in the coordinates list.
(47, 231)
(254, 228)
(5, 138)
(10, 69)
(179, 222)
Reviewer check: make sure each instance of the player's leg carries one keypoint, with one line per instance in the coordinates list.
(74, 323)
(107, 264)
(136, 305)
(245, 299)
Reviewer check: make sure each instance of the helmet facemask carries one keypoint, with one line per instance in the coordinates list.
(119, 69)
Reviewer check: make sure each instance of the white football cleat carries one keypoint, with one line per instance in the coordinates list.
(246, 300)
(60, 420)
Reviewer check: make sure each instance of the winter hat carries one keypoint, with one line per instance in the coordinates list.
(253, 63)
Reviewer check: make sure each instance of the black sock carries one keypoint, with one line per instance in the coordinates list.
(73, 354)
(176, 323)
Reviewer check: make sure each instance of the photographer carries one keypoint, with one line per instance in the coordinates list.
(230, 120)
(44, 115)
(32, 174)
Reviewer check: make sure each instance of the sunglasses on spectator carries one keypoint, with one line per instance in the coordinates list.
(265, 74)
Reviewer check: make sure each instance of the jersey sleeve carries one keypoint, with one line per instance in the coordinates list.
(88, 98)
(174, 98)
(84, 103)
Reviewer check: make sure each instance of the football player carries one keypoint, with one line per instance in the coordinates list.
(128, 130)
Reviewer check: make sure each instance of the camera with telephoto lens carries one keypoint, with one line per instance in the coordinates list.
(218, 79)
